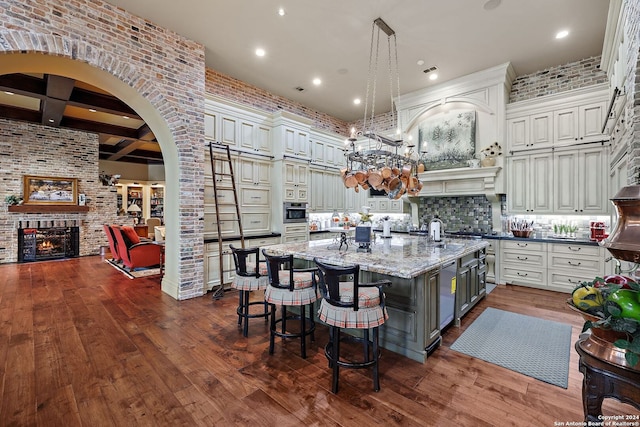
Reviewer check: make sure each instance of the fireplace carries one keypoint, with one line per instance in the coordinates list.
(51, 240)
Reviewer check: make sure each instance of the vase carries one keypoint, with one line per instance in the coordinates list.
(487, 162)
(599, 342)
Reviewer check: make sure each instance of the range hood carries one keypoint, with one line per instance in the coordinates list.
(487, 181)
(462, 182)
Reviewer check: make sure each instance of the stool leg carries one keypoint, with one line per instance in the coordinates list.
(284, 319)
(272, 329)
(330, 345)
(240, 308)
(313, 323)
(335, 356)
(246, 314)
(376, 380)
(303, 336)
(366, 344)
(266, 312)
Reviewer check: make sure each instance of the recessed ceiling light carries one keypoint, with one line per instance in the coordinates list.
(51, 120)
(357, 101)
(125, 117)
(9, 93)
(93, 110)
(317, 81)
(281, 12)
(562, 34)
(433, 76)
(260, 52)
(420, 62)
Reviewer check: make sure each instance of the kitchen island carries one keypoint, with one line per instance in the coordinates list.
(413, 265)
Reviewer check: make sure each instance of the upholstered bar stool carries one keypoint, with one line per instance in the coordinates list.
(351, 305)
(248, 279)
(290, 287)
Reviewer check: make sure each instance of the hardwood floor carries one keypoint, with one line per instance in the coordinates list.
(80, 344)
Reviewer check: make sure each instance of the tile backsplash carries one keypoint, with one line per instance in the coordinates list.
(461, 213)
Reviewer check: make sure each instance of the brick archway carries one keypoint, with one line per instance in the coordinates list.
(168, 118)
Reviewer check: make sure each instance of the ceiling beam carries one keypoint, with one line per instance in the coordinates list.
(22, 114)
(96, 127)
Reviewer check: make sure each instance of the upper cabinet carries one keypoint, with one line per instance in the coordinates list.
(291, 136)
(327, 150)
(239, 127)
(557, 120)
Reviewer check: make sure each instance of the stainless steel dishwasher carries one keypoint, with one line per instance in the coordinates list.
(447, 293)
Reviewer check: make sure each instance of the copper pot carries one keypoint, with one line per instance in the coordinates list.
(624, 241)
(420, 167)
(375, 178)
(386, 172)
(350, 180)
(406, 171)
(361, 176)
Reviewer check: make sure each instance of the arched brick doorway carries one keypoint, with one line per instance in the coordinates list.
(170, 121)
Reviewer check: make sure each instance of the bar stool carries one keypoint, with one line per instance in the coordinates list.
(351, 305)
(246, 281)
(290, 287)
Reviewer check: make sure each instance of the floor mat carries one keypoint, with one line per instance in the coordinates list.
(135, 274)
(534, 347)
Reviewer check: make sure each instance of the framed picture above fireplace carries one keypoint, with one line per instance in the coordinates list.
(48, 190)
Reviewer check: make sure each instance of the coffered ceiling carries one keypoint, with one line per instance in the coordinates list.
(328, 40)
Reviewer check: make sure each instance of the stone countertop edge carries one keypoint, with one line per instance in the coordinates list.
(392, 261)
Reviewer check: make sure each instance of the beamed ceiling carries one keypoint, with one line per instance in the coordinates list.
(63, 102)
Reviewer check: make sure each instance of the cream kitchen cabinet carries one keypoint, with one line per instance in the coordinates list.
(531, 131)
(553, 266)
(523, 263)
(530, 184)
(581, 123)
(254, 137)
(253, 172)
(383, 205)
(326, 192)
(579, 184)
(326, 151)
(296, 142)
(353, 201)
(570, 265)
(295, 233)
(296, 181)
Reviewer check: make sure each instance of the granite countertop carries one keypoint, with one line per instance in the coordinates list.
(401, 256)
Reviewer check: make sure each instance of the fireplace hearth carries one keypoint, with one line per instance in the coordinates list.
(56, 240)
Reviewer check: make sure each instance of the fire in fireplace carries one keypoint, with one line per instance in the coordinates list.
(44, 243)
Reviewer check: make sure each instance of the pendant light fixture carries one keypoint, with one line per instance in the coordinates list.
(384, 164)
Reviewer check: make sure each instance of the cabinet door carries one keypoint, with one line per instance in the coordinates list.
(318, 152)
(228, 131)
(432, 318)
(541, 183)
(590, 121)
(566, 125)
(541, 130)
(518, 133)
(247, 136)
(592, 187)
(462, 291)
(566, 172)
(210, 126)
(263, 139)
(317, 191)
(518, 184)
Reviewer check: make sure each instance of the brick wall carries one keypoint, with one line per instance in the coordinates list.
(28, 149)
(632, 79)
(164, 68)
(573, 75)
(236, 90)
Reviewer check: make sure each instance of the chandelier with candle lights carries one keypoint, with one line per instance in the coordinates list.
(374, 160)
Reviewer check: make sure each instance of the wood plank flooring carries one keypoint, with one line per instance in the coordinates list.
(82, 345)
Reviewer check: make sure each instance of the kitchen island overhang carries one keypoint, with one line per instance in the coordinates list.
(413, 265)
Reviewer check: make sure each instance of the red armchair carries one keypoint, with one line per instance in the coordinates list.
(135, 253)
(113, 245)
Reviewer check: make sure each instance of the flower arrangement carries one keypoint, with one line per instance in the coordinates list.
(13, 200)
(365, 216)
(614, 304)
(494, 150)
